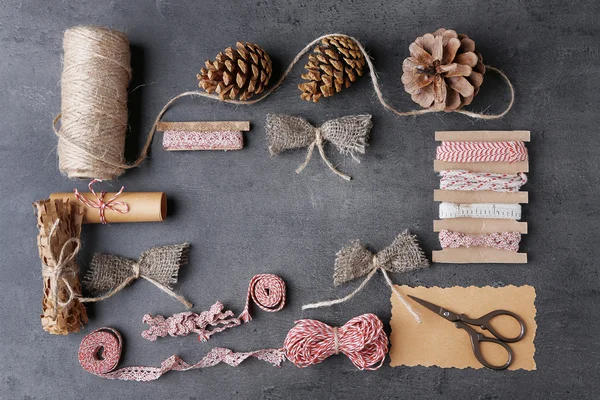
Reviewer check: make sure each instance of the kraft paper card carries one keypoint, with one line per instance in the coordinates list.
(437, 342)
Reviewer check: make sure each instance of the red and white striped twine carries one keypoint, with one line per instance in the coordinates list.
(361, 339)
(464, 180)
(267, 291)
(509, 151)
(118, 206)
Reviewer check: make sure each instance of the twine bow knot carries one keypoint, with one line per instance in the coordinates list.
(111, 204)
(63, 264)
(355, 260)
(348, 134)
(158, 265)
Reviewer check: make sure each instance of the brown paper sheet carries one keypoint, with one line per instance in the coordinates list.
(480, 196)
(493, 167)
(204, 126)
(478, 255)
(482, 136)
(143, 207)
(437, 342)
(479, 226)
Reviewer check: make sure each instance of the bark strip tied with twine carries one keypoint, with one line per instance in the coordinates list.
(59, 224)
(348, 134)
(355, 260)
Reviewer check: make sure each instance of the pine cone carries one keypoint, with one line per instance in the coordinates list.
(333, 65)
(444, 72)
(239, 73)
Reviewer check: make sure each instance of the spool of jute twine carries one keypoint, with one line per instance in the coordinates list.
(93, 118)
(93, 115)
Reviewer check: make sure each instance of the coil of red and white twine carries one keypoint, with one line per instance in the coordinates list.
(362, 340)
(267, 291)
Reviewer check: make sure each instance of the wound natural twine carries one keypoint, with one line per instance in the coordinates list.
(93, 114)
(93, 118)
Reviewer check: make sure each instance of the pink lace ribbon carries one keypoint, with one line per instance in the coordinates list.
(111, 204)
(498, 240)
(184, 323)
(508, 151)
(109, 341)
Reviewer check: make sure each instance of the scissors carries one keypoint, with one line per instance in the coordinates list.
(461, 321)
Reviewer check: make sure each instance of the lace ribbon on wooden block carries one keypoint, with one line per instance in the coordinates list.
(158, 265)
(182, 324)
(467, 152)
(465, 180)
(355, 260)
(498, 240)
(218, 140)
(348, 134)
(309, 342)
(480, 210)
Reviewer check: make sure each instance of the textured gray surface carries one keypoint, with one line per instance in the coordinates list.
(247, 213)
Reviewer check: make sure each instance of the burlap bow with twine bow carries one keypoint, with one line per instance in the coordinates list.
(158, 265)
(348, 134)
(355, 260)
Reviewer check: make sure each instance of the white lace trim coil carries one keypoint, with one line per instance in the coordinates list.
(481, 210)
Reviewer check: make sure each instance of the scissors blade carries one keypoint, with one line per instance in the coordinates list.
(442, 312)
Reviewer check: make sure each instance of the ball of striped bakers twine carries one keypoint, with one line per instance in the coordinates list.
(267, 291)
(361, 339)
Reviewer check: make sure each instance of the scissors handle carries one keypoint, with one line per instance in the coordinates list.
(477, 338)
(485, 323)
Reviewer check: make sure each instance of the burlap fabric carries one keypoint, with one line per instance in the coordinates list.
(158, 265)
(354, 260)
(348, 134)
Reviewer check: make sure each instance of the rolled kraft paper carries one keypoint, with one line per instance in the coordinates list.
(143, 207)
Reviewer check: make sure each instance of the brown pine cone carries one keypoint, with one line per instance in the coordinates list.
(333, 65)
(443, 72)
(237, 73)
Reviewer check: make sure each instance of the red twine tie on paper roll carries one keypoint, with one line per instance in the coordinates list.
(118, 206)
(466, 152)
(267, 291)
(361, 339)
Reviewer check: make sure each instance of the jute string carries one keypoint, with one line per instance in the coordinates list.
(376, 267)
(318, 142)
(94, 102)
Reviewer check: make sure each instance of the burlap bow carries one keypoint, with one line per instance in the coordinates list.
(355, 260)
(158, 265)
(348, 134)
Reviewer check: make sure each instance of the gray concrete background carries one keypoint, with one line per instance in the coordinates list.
(246, 213)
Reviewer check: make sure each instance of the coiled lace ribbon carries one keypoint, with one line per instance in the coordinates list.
(498, 240)
(480, 210)
(465, 180)
(465, 152)
(362, 340)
